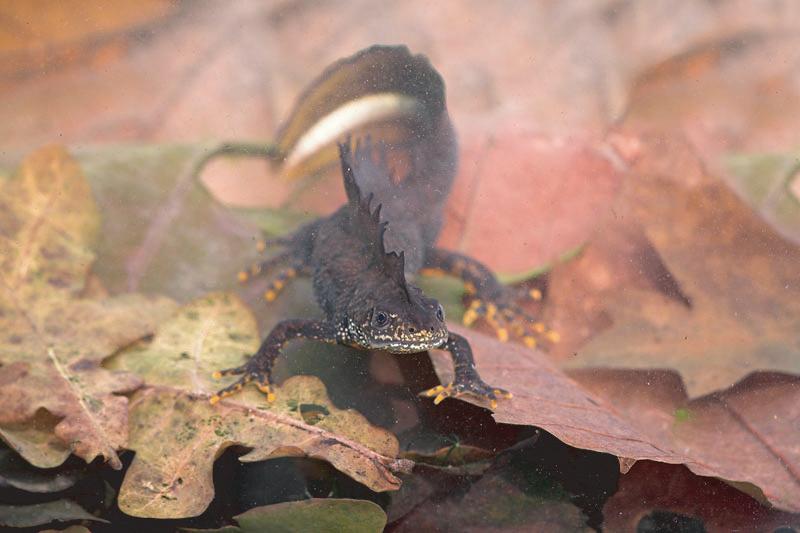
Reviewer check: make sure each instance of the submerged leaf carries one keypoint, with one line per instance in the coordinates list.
(35, 439)
(747, 434)
(771, 184)
(162, 230)
(43, 513)
(52, 340)
(327, 515)
(739, 275)
(522, 199)
(507, 498)
(17, 473)
(177, 434)
(652, 487)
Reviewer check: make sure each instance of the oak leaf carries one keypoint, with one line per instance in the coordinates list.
(54, 396)
(650, 488)
(175, 238)
(177, 433)
(647, 415)
(738, 275)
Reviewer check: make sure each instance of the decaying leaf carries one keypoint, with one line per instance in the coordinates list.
(739, 276)
(458, 459)
(177, 434)
(173, 237)
(43, 513)
(748, 434)
(770, 182)
(323, 515)
(35, 439)
(723, 94)
(14, 472)
(545, 397)
(51, 339)
(550, 191)
(650, 487)
(505, 499)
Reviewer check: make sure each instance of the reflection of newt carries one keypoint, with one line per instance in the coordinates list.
(359, 264)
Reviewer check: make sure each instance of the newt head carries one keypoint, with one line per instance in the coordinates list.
(408, 323)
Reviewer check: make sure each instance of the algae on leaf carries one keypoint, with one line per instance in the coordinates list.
(177, 434)
(321, 515)
(54, 396)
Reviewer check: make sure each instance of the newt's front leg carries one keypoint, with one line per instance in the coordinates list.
(490, 299)
(467, 381)
(259, 367)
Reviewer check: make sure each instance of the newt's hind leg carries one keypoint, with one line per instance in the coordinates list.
(290, 262)
(490, 299)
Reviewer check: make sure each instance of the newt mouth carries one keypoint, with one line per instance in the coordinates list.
(403, 346)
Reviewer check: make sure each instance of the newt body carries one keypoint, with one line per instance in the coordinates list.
(363, 258)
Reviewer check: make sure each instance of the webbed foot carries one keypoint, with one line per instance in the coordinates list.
(509, 320)
(467, 387)
(249, 372)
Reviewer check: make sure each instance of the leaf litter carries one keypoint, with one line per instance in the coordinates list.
(643, 444)
(646, 415)
(54, 396)
(627, 20)
(739, 275)
(177, 434)
(323, 515)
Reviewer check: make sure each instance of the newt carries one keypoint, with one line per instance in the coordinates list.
(364, 257)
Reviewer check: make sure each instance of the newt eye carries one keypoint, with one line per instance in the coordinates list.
(440, 313)
(380, 319)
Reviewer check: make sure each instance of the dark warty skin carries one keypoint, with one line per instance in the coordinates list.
(363, 291)
(364, 257)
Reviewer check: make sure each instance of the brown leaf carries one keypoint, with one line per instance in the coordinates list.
(549, 192)
(653, 486)
(746, 434)
(177, 434)
(639, 415)
(547, 398)
(739, 275)
(724, 94)
(51, 340)
(38, 37)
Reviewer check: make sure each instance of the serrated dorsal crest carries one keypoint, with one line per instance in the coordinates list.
(364, 223)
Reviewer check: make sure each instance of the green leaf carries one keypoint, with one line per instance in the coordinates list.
(43, 513)
(162, 230)
(325, 515)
